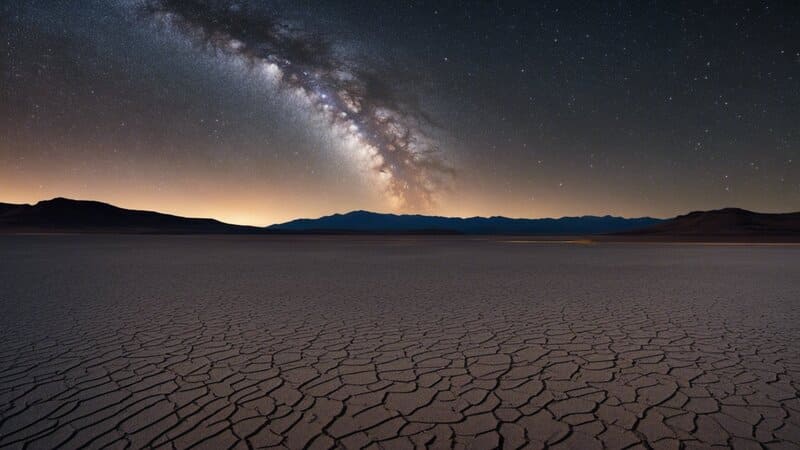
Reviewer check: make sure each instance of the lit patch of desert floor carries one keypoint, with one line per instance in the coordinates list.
(251, 342)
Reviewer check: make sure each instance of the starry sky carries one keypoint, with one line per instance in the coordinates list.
(260, 111)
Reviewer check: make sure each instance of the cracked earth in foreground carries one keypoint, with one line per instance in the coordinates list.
(245, 342)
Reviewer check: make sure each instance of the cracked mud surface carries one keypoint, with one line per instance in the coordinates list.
(183, 342)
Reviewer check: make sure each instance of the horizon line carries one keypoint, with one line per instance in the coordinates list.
(397, 214)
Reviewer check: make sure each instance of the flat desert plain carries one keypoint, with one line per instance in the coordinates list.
(396, 342)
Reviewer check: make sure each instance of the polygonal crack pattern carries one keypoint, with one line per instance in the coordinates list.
(412, 346)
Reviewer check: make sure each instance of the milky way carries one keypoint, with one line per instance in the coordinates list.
(277, 109)
(362, 111)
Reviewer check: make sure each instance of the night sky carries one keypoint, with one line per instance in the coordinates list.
(262, 111)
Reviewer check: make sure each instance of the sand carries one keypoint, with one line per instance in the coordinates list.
(218, 342)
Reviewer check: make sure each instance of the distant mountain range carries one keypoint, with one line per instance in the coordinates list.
(63, 215)
(369, 222)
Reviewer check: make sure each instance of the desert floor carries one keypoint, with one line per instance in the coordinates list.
(395, 342)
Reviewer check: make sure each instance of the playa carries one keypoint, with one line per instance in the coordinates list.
(396, 342)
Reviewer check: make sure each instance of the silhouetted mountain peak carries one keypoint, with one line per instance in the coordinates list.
(720, 212)
(68, 215)
(727, 221)
(64, 200)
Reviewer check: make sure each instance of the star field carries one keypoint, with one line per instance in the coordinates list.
(256, 112)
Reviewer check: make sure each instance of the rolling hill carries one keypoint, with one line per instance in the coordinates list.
(730, 222)
(80, 216)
